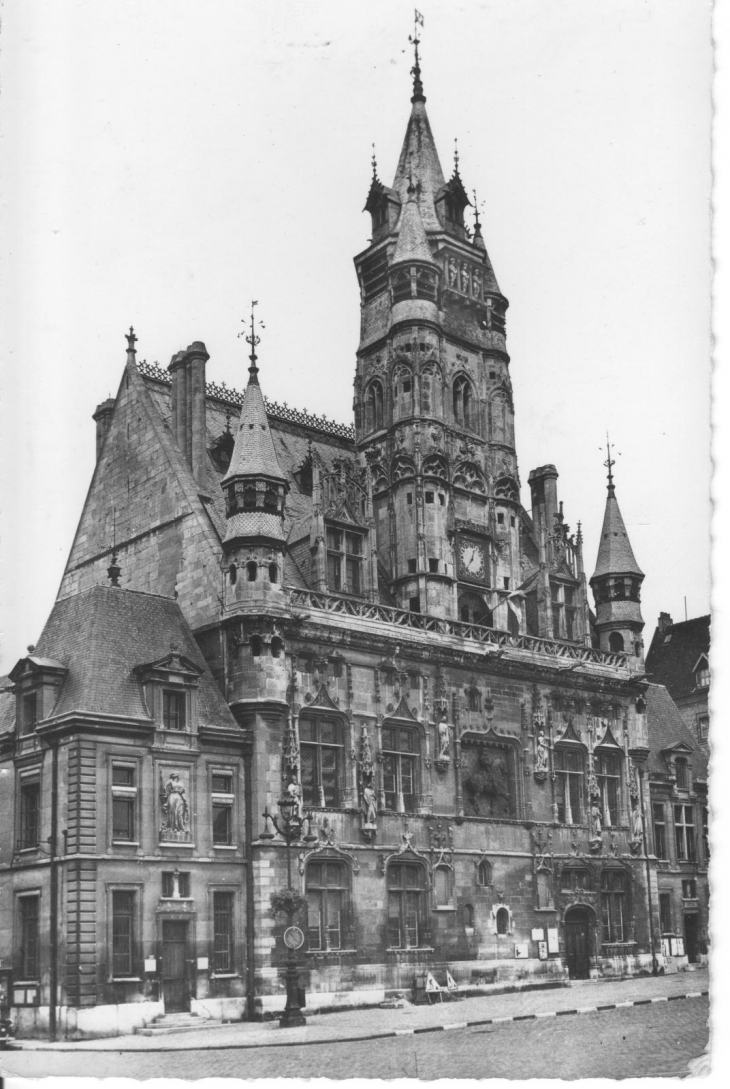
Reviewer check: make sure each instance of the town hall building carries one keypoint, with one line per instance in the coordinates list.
(259, 603)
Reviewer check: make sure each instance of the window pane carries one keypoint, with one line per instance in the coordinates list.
(314, 920)
(329, 775)
(122, 776)
(390, 781)
(29, 937)
(222, 824)
(221, 784)
(29, 815)
(308, 768)
(173, 710)
(123, 818)
(223, 931)
(122, 923)
(408, 782)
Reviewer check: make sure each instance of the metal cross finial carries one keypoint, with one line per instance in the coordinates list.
(131, 339)
(456, 155)
(477, 224)
(375, 165)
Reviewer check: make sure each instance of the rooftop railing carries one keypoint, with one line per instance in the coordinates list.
(273, 408)
(488, 637)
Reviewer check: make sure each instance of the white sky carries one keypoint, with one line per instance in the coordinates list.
(165, 162)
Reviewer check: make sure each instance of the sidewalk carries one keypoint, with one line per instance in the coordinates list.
(579, 997)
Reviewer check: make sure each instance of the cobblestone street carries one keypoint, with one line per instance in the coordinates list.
(657, 1038)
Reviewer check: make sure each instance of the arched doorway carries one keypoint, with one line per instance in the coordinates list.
(578, 942)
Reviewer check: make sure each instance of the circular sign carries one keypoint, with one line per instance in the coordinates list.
(293, 937)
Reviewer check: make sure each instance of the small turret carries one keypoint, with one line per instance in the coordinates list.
(616, 582)
(255, 490)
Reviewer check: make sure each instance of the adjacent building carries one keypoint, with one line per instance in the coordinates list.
(260, 602)
(679, 658)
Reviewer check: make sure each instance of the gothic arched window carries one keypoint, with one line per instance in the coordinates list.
(484, 873)
(473, 609)
(543, 889)
(443, 878)
(375, 406)
(570, 783)
(608, 773)
(327, 891)
(616, 642)
(252, 570)
(502, 921)
(463, 402)
(406, 904)
(401, 752)
(322, 748)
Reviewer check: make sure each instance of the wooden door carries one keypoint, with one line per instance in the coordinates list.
(691, 938)
(578, 943)
(175, 989)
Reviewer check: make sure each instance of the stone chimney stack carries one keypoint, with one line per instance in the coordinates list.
(665, 622)
(188, 407)
(544, 491)
(103, 418)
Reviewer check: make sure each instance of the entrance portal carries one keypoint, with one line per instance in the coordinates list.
(691, 938)
(578, 942)
(175, 990)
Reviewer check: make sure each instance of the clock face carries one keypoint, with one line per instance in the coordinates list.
(471, 556)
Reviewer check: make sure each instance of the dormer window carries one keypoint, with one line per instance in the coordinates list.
(344, 561)
(173, 710)
(702, 673)
(30, 712)
(681, 770)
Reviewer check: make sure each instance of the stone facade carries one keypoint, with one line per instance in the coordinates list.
(368, 621)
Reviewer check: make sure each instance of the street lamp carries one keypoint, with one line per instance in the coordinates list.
(290, 824)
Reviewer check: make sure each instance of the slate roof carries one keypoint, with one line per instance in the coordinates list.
(412, 244)
(615, 555)
(419, 159)
(253, 453)
(671, 661)
(667, 728)
(102, 634)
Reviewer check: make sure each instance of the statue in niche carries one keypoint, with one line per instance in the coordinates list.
(444, 739)
(369, 804)
(596, 826)
(487, 785)
(541, 754)
(637, 824)
(175, 809)
(465, 278)
(453, 272)
(476, 284)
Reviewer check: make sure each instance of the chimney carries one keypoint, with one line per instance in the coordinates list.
(544, 491)
(665, 622)
(103, 418)
(188, 407)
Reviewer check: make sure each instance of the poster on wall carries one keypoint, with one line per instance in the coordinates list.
(521, 951)
(552, 940)
(542, 950)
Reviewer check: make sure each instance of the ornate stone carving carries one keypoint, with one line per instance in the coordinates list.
(175, 824)
(368, 798)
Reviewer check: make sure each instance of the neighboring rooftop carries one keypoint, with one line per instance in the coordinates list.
(675, 652)
(667, 729)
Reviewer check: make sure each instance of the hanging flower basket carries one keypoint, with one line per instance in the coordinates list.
(287, 902)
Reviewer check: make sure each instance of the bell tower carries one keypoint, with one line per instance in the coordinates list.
(434, 416)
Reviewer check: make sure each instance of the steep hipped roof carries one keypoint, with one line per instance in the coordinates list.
(253, 452)
(102, 634)
(666, 729)
(419, 160)
(412, 244)
(674, 652)
(615, 556)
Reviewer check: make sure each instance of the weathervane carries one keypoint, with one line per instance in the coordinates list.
(415, 42)
(251, 337)
(609, 463)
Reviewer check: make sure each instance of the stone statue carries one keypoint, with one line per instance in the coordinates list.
(175, 806)
(444, 740)
(487, 786)
(369, 804)
(465, 278)
(541, 755)
(595, 821)
(637, 824)
(453, 273)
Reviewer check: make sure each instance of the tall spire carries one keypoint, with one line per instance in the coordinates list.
(615, 554)
(253, 453)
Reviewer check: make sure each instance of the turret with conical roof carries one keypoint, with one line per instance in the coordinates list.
(616, 582)
(255, 490)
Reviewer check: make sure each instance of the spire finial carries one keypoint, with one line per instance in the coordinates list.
(456, 157)
(477, 223)
(114, 570)
(375, 165)
(609, 463)
(418, 95)
(131, 340)
(253, 340)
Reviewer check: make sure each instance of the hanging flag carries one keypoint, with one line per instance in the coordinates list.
(419, 17)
